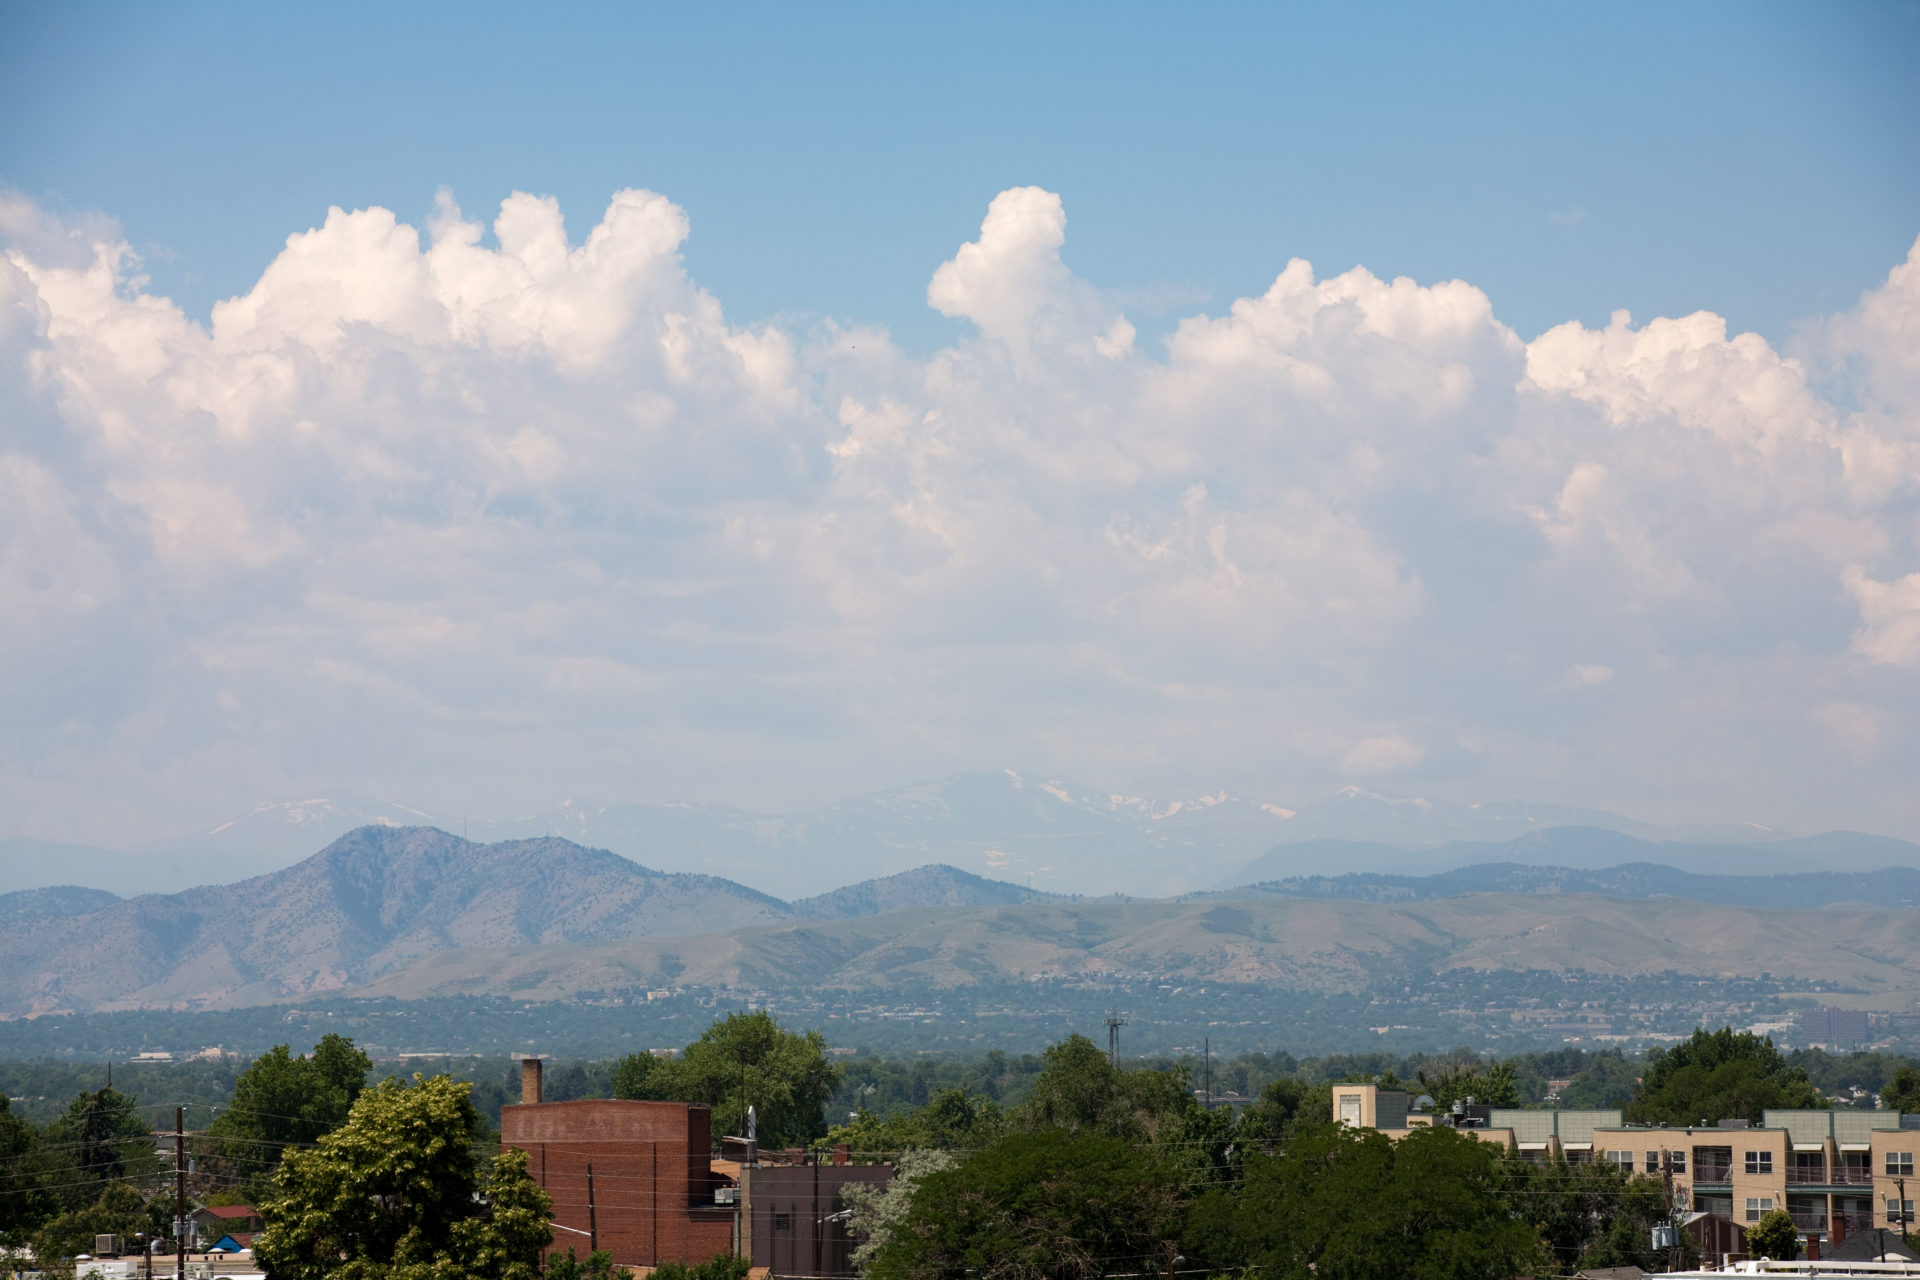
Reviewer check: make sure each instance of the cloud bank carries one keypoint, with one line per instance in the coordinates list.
(486, 519)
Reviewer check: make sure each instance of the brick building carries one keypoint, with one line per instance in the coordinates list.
(655, 1196)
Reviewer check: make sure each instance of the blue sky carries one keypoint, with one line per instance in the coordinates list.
(1759, 160)
(764, 404)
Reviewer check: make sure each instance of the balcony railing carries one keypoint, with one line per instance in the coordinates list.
(1712, 1171)
(1809, 1221)
(1808, 1174)
(1854, 1177)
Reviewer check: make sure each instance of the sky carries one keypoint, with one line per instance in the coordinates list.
(481, 406)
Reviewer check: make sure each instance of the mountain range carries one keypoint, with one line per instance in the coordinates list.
(1048, 833)
(409, 911)
(1888, 887)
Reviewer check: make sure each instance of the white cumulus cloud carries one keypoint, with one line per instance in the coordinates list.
(509, 511)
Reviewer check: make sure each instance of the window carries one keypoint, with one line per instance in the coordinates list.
(1899, 1211)
(1621, 1160)
(783, 1222)
(1679, 1161)
(1350, 1109)
(1759, 1162)
(1758, 1207)
(1653, 1162)
(1900, 1164)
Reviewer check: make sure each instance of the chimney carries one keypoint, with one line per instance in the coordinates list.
(529, 1080)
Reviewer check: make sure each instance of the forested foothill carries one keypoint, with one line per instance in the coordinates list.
(1056, 1164)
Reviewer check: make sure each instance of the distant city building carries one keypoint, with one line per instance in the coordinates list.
(1832, 1026)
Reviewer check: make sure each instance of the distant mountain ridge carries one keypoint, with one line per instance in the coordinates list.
(1889, 887)
(409, 911)
(1587, 848)
(1052, 833)
(379, 899)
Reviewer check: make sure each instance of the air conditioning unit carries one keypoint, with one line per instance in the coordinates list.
(726, 1195)
(106, 1246)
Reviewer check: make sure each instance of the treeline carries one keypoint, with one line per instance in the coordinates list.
(1054, 1164)
(1101, 1170)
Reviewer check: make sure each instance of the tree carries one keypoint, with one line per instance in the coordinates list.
(951, 1118)
(1079, 1091)
(1589, 1214)
(397, 1192)
(1719, 1075)
(1286, 1107)
(120, 1211)
(104, 1138)
(597, 1265)
(876, 1210)
(24, 1201)
(1492, 1087)
(742, 1060)
(1355, 1204)
(1902, 1091)
(725, 1266)
(1774, 1236)
(1045, 1205)
(282, 1101)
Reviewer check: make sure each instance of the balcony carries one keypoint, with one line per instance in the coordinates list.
(1808, 1174)
(1713, 1171)
(1854, 1177)
(1809, 1221)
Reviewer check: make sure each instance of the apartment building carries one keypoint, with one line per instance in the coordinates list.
(1835, 1172)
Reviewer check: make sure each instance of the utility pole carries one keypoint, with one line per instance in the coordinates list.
(180, 1192)
(1206, 1057)
(1673, 1219)
(1114, 1023)
(1902, 1184)
(593, 1224)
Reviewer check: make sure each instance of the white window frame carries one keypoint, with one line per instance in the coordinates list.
(1900, 1164)
(1758, 1207)
(1760, 1163)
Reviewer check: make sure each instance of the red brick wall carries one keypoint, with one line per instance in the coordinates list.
(652, 1177)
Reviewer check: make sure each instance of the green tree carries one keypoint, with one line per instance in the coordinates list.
(1774, 1236)
(1286, 1107)
(1902, 1091)
(1079, 1091)
(397, 1193)
(725, 1266)
(951, 1118)
(597, 1265)
(1490, 1086)
(24, 1200)
(120, 1211)
(1044, 1204)
(1719, 1075)
(1589, 1214)
(102, 1138)
(1356, 1205)
(282, 1101)
(742, 1060)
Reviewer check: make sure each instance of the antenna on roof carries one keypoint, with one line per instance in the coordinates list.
(1114, 1023)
